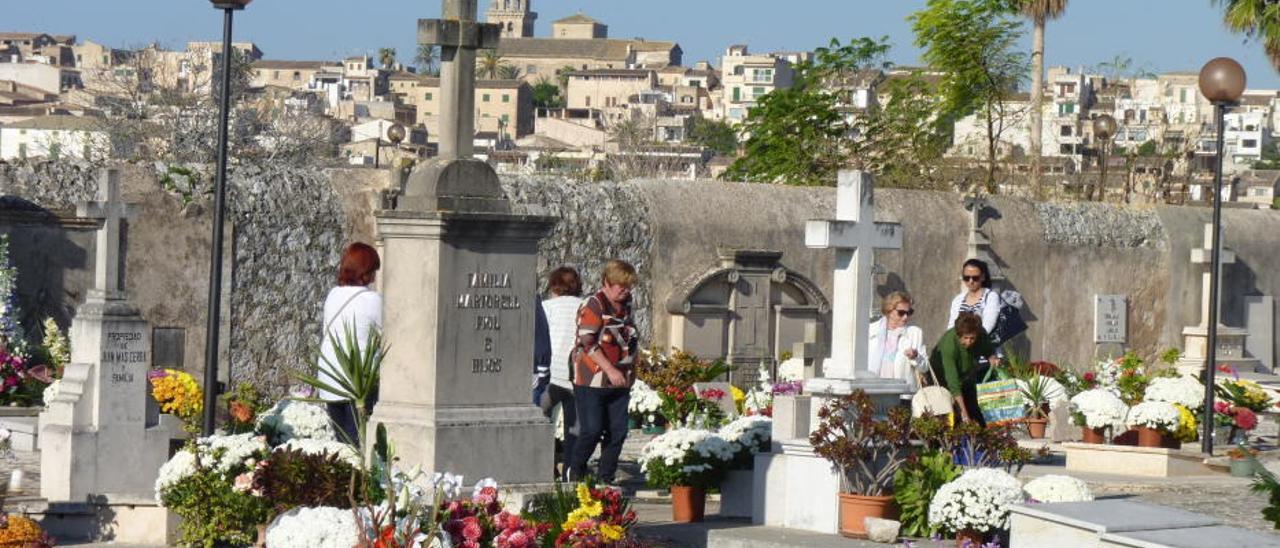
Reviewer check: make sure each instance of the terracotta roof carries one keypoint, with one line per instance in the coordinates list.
(604, 49)
(576, 18)
(57, 122)
(21, 35)
(293, 65)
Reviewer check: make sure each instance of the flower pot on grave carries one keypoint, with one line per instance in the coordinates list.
(735, 494)
(969, 538)
(688, 504)
(1036, 428)
(653, 429)
(1243, 468)
(855, 509)
(1150, 437)
(1093, 435)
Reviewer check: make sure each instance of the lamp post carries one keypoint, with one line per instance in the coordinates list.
(1222, 81)
(1104, 128)
(228, 8)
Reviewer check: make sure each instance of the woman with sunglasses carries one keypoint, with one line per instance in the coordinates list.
(897, 349)
(977, 298)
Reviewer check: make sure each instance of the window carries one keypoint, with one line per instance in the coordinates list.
(506, 98)
(531, 69)
(485, 97)
(762, 75)
(297, 76)
(737, 94)
(1182, 95)
(1249, 143)
(1067, 108)
(757, 92)
(106, 59)
(1065, 131)
(22, 150)
(428, 96)
(588, 100)
(1066, 149)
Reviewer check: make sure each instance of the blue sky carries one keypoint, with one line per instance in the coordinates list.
(1162, 35)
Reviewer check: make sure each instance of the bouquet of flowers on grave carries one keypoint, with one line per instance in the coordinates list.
(16, 530)
(1098, 408)
(55, 347)
(243, 406)
(481, 521)
(207, 483)
(12, 339)
(979, 500)
(290, 419)
(319, 527)
(686, 457)
(645, 403)
(1227, 415)
(602, 517)
(1243, 393)
(1056, 488)
(22, 383)
(1157, 415)
(1187, 426)
(749, 435)
(1125, 376)
(673, 377)
(1182, 390)
(684, 406)
(178, 394)
(759, 400)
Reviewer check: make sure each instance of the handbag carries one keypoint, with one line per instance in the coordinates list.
(931, 400)
(1009, 323)
(1000, 400)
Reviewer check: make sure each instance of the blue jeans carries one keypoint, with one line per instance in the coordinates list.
(600, 410)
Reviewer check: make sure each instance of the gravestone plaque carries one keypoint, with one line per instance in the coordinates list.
(168, 346)
(1110, 319)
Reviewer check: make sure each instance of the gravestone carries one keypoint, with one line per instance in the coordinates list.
(794, 488)
(805, 359)
(1260, 321)
(1110, 324)
(1077, 524)
(1231, 340)
(726, 403)
(457, 272)
(96, 446)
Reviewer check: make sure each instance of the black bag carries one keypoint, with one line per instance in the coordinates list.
(1009, 324)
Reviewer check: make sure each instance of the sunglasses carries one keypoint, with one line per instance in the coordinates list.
(971, 278)
(905, 313)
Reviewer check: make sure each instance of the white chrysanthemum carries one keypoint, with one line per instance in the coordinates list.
(1057, 488)
(1183, 390)
(673, 446)
(51, 391)
(1154, 414)
(323, 527)
(996, 478)
(971, 504)
(293, 419)
(749, 432)
(225, 454)
(1101, 408)
(181, 466)
(644, 400)
(323, 447)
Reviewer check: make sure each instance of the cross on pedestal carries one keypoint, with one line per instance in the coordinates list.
(854, 235)
(1204, 256)
(107, 281)
(975, 203)
(459, 36)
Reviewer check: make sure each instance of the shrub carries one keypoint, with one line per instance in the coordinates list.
(292, 478)
(915, 484)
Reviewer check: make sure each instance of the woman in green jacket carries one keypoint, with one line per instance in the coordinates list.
(955, 362)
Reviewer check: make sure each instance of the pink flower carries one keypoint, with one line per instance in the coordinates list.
(487, 496)
(40, 373)
(156, 374)
(1222, 407)
(471, 529)
(1246, 419)
(243, 482)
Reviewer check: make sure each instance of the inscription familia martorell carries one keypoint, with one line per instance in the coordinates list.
(489, 307)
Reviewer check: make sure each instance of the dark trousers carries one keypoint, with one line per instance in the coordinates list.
(343, 416)
(564, 397)
(599, 410)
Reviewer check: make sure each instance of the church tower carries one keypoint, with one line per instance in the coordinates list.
(514, 16)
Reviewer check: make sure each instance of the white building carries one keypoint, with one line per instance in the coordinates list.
(52, 137)
(745, 78)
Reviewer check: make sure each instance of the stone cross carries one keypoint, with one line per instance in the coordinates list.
(113, 212)
(459, 36)
(854, 235)
(1204, 256)
(975, 204)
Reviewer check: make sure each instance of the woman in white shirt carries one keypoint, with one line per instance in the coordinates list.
(977, 298)
(350, 305)
(565, 289)
(896, 350)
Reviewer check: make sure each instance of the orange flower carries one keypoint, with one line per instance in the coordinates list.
(241, 412)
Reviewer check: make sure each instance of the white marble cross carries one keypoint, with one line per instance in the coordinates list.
(113, 212)
(459, 36)
(1204, 256)
(854, 235)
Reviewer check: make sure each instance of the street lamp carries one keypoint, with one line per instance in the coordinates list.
(1104, 128)
(395, 134)
(1222, 82)
(228, 7)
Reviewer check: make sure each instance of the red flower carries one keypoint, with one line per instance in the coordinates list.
(712, 394)
(1089, 376)
(1246, 419)
(471, 529)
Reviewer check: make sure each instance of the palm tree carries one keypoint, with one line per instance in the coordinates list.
(427, 59)
(387, 57)
(489, 65)
(508, 72)
(1256, 19)
(1039, 11)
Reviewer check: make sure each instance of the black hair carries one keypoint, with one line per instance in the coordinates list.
(982, 266)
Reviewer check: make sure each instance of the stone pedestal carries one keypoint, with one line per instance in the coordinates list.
(459, 290)
(1154, 462)
(94, 437)
(1085, 524)
(1231, 349)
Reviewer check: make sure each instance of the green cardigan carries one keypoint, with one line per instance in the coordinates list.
(956, 365)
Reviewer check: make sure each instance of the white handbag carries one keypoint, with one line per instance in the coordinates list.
(933, 400)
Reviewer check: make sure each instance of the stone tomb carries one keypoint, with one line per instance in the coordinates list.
(1154, 462)
(1117, 522)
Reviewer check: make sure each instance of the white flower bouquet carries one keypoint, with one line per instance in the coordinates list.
(749, 435)
(1057, 488)
(291, 419)
(979, 500)
(645, 401)
(323, 527)
(226, 456)
(686, 457)
(1099, 408)
(1182, 390)
(343, 451)
(1158, 415)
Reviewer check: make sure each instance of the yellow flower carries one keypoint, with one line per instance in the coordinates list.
(21, 531)
(178, 393)
(739, 397)
(584, 494)
(611, 533)
(1186, 424)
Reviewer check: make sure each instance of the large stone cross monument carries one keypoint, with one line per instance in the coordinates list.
(979, 243)
(1231, 340)
(459, 286)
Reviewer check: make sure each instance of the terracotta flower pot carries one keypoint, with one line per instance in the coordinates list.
(969, 538)
(688, 504)
(1149, 437)
(1036, 427)
(1093, 435)
(855, 509)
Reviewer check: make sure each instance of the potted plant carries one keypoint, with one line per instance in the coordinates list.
(976, 505)
(749, 436)
(1096, 410)
(643, 406)
(866, 452)
(687, 462)
(1243, 460)
(1154, 421)
(1036, 396)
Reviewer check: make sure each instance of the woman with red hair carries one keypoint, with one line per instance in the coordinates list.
(350, 305)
